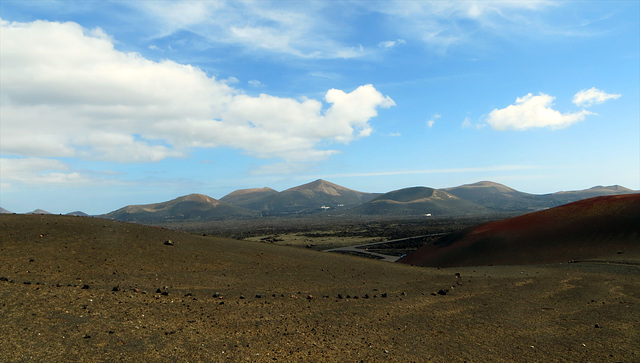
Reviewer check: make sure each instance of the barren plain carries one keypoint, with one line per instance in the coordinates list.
(88, 289)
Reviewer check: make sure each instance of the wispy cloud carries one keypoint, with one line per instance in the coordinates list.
(34, 171)
(391, 43)
(255, 83)
(308, 29)
(432, 120)
(291, 28)
(443, 24)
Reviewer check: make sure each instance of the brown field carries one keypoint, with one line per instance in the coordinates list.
(86, 289)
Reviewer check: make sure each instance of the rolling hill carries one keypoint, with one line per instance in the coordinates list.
(559, 198)
(39, 211)
(189, 207)
(600, 227)
(417, 201)
(77, 214)
(498, 197)
(255, 198)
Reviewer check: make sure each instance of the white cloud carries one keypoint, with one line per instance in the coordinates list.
(433, 119)
(533, 111)
(66, 92)
(255, 83)
(32, 171)
(391, 43)
(593, 96)
(467, 124)
(230, 80)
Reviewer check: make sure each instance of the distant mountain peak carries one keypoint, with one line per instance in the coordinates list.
(39, 211)
(487, 184)
(77, 214)
(197, 198)
(616, 188)
(322, 186)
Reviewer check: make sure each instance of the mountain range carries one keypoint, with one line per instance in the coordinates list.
(321, 196)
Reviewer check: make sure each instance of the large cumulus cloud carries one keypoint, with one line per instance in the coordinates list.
(67, 92)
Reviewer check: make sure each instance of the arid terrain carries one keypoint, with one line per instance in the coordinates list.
(88, 289)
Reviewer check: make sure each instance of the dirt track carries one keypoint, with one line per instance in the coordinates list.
(58, 302)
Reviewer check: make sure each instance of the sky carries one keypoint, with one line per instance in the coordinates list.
(110, 103)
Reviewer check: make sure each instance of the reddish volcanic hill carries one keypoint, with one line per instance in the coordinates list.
(595, 228)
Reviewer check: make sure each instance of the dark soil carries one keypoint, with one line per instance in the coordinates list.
(85, 289)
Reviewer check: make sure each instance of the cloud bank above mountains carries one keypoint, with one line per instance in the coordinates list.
(70, 93)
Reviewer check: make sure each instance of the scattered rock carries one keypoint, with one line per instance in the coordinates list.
(258, 296)
(4, 278)
(115, 288)
(85, 287)
(597, 326)
(216, 295)
(168, 242)
(309, 297)
(384, 294)
(86, 336)
(339, 296)
(443, 291)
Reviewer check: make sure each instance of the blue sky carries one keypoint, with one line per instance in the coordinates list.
(109, 103)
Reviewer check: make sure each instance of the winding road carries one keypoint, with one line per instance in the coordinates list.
(362, 249)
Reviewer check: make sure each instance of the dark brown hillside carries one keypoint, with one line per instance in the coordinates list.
(601, 227)
(87, 289)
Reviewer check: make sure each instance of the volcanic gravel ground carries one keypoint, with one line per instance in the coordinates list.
(86, 289)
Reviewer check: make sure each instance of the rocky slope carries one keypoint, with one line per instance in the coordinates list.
(595, 228)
